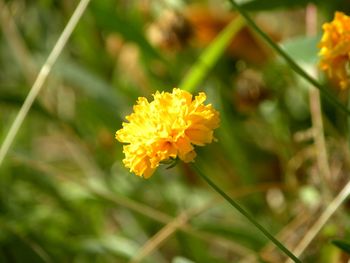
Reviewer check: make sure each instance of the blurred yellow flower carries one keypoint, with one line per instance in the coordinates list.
(166, 128)
(335, 49)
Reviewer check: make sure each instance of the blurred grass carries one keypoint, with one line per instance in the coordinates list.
(210, 56)
(64, 193)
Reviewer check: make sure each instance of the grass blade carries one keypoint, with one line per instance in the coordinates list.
(322, 219)
(211, 55)
(41, 78)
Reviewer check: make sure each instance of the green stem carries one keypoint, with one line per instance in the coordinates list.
(248, 216)
(289, 60)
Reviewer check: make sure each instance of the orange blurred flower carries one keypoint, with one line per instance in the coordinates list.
(166, 128)
(335, 49)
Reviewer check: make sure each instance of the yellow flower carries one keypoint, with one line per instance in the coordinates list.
(335, 49)
(167, 127)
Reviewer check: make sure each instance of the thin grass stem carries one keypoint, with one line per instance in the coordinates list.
(41, 78)
(324, 90)
(247, 215)
(316, 113)
(322, 220)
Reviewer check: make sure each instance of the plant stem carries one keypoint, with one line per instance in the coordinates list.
(316, 113)
(247, 215)
(289, 60)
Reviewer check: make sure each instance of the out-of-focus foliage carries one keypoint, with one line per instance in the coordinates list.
(343, 245)
(64, 193)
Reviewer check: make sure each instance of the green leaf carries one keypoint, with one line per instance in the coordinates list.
(303, 49)
(342, 244)
(211, 55)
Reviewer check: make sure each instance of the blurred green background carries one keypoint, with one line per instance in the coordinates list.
(64, 193)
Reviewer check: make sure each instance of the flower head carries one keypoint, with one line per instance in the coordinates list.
(166, 128)
(335, 49)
